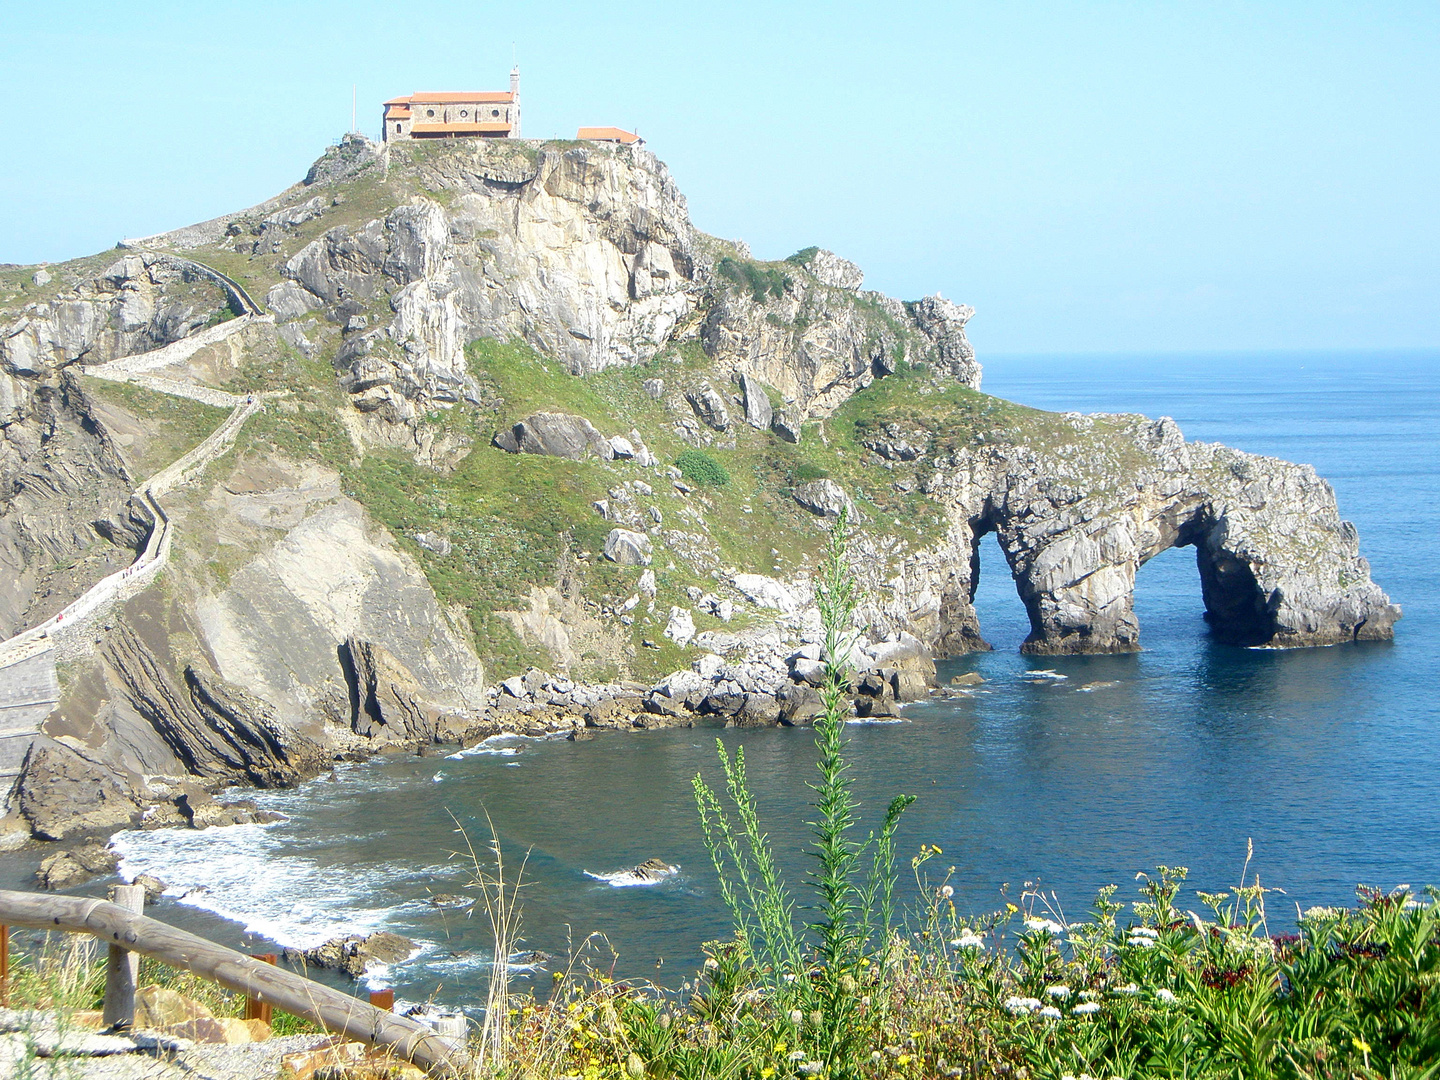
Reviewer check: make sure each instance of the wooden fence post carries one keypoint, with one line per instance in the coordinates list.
(255, 1009)
(4, 966)
(122, 967)
(383, 999)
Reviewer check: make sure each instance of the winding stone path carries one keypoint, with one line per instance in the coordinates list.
(29, 688)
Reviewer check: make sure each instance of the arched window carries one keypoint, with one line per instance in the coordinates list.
(397, 129)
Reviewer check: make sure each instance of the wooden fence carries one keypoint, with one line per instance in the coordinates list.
(131, 935)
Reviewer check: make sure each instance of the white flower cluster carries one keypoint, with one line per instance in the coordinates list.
(1018, 1005)
(1165, 996)
(1142, 937)
(1050, 926)
(1058, 991)
(968, 940)
(1088, 1008)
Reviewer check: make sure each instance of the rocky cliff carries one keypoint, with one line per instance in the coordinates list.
(537, 454)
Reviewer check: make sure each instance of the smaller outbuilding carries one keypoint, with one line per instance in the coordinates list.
(610, 135)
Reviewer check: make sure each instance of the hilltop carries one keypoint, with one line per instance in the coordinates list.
(536, 454)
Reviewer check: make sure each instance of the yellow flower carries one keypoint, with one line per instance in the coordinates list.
(780, 1048)
(903, 1060)
(1361, 1045)
(767, 1072)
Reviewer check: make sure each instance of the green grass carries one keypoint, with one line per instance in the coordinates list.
(175, 425)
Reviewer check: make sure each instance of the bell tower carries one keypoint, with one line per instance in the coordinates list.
(515, 101)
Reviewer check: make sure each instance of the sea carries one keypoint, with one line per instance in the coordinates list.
(1317, 770)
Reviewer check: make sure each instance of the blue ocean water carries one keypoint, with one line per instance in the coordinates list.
(1328, 760)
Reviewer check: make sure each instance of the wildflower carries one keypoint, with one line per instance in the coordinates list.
(1165, 995)
(1089, 995)
(781, 1047)
(1322, 913)
(711, 964)
(634, 1066)
(797, 1017)
(1141, 942)
(1089, 1008)
(1058, 991)
(875, 1056)
(1049, 926)
(1130, 988)
(1050, 1012)
(1018, 1005)
(789, 976)
(903, 1059)
(767, 1072)
(1144, 931)
(809, 1068)
(797, 1055)
(947, 891)
(968, 940)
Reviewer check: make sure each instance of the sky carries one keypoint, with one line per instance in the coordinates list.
(1091, 177)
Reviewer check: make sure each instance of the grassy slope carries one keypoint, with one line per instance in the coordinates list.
(514, 521)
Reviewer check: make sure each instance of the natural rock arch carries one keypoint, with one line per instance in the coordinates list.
(1079, 512)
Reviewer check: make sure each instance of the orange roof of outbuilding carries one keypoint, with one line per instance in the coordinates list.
(398, 113)
(612, 133)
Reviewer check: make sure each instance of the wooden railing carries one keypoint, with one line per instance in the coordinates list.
(131, 935)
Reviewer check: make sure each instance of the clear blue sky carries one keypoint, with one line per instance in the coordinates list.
(1090, 176)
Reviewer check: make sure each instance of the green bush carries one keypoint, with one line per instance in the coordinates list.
(762, 281)
(803, 257)
(807, 471)
(700, 468)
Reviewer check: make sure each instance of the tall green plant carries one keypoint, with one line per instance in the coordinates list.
(827, 972)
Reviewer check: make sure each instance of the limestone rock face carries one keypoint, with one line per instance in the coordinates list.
(758, 410)
(627, 548)
(1078, 518)
(216, 729)
(67, 869)
(391, 706)
(585, 252)
(557, 435)
(62, 794)
(709, 407)
(824, 497)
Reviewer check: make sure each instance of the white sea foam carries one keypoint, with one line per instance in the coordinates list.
(243, 873)
(629, 879)
(1041, 674)
(506, 745)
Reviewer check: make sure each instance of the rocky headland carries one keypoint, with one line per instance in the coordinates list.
(527, 452)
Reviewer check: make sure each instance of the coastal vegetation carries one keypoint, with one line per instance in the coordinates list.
(839, 983)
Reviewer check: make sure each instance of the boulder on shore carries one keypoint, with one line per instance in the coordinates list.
(66, 869)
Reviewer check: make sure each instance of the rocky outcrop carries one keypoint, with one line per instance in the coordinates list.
(391, 707)
(825, 498)
(556, 435)
(66, 869)
(354, 954)
(1080, 510)
(63, 794)
(216, 729)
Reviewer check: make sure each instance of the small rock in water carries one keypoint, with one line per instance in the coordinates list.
(353, 954)
(449, 900)
(970, 678)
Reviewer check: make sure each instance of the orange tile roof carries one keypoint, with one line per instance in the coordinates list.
(397, 101)
(435, 97)
(460, 129)
(397, 113)
(614, 134)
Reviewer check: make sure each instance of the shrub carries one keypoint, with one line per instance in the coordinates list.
(700, 468)
(807, 471)
(803, 257)
(762, 281)
(832, 976)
